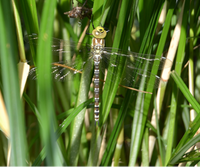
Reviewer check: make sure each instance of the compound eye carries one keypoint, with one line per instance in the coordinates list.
(100, 29)
(99, 32)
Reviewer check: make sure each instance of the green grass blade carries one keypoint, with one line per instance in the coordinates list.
(76, 126)
(140, 118)
(54, 113)
(107, 157)
(62, 128)
(159, 52)
(97, 12)
(45, 86)
(71, 117)
(105, 10)
(33, 107)
(29, 12)
(10, 83)
(184, 89)
(97, 135)
(183, 149)
(175, 96)
(145, 148)
(110, 87)
(31, 20)
(19, 31)
(195, 124)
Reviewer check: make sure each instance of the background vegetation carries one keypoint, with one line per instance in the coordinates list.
(53, 122)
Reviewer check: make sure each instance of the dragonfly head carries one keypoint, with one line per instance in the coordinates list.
(99, 32)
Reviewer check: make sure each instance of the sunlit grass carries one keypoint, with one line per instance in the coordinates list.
(53, 122)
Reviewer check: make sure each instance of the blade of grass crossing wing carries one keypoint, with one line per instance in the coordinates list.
(44, 84)
(138, 127)
(110, 88)
(106, 160)
(159, 53)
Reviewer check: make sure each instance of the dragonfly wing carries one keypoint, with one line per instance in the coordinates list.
(69, 58)
(137, 67)
(61, 47)
(63, 70)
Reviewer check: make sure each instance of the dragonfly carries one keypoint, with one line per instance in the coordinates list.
(100, 55)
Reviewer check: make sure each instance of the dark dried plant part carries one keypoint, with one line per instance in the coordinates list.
(80, 12)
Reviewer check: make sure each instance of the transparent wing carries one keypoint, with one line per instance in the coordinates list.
(60, 46)
(137, 66)
(63, 69)
(69, 61)
(69, 57)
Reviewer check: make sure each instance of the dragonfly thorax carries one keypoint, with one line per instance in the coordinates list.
(97, 45)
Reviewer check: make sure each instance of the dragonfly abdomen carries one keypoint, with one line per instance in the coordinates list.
(96, 87)
(97, 45)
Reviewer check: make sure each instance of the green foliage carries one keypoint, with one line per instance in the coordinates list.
(53, 122)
